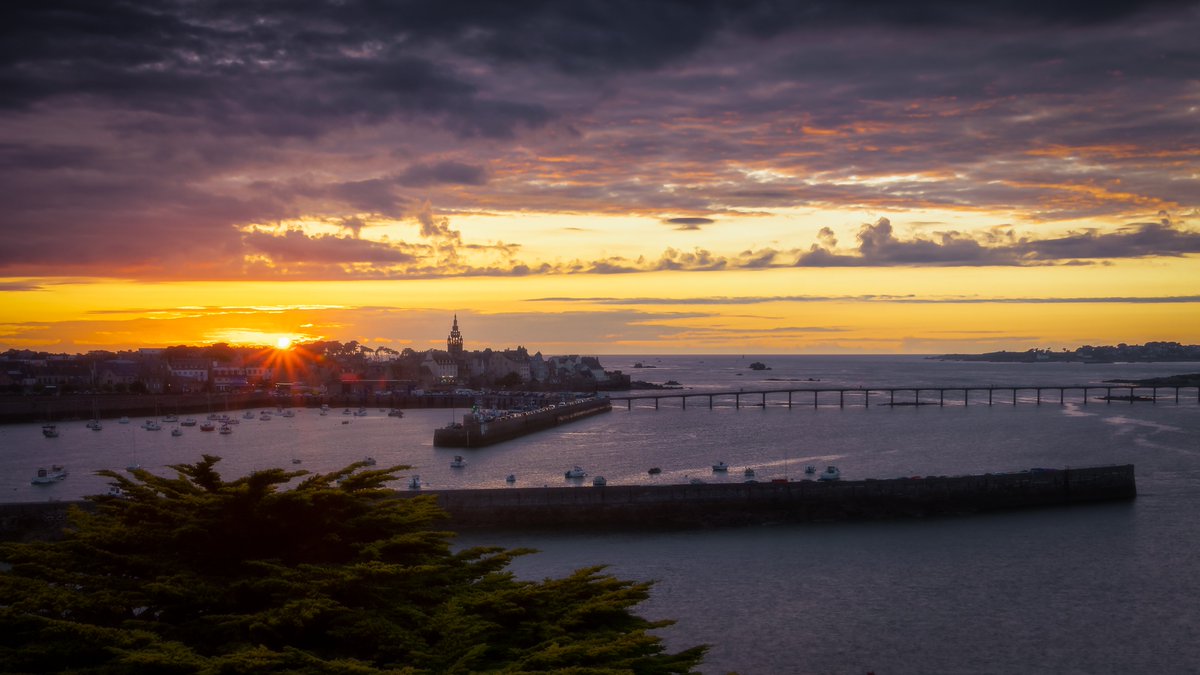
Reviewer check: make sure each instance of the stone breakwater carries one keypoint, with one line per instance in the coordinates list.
(478, 430)
(617, 507)
(730, 504)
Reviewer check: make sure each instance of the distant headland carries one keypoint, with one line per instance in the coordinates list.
(1121, 353)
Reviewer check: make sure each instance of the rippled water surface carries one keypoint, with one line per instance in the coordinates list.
(1097, 589)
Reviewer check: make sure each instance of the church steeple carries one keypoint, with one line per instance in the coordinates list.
(454, 343)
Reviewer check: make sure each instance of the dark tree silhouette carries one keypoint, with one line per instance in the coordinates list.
(307, 573)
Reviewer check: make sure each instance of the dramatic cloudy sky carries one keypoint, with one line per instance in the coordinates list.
(600, 176)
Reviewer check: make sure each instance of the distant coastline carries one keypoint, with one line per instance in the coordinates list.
(1151, 352)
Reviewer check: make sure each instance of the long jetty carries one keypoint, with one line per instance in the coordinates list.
(619, 507)
(730, 504)
(912, 396)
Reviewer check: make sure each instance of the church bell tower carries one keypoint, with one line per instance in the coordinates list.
(454, 343)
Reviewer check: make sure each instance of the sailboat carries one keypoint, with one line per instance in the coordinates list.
(49, 429)
(94, 424)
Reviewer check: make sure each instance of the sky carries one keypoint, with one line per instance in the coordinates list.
(601, 177)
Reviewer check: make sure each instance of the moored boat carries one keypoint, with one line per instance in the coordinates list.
(458, 462)
(50, 431)
(830, 473)
(575, 472)
(720, 467)
(48, 476)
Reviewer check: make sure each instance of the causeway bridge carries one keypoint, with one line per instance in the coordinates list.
(917, 396)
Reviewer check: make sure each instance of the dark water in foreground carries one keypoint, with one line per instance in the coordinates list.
(1097, 589)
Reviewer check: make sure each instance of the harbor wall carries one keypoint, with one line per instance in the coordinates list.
(729, 504)
(625, 507)
(474, 433)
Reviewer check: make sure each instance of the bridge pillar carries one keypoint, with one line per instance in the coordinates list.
(684, 400)
(1085, 395)
(814, 400)
(1014, 395)
(990, 390)
(841, 398)
(1108, 395)
(1062, 396)
(1131, 396)
(966, 397)
(656, 403)
(1039, 395)
(737, 401)
(941, 398)
(893, 391)
(1154, 394)
(866, 398)
(629, 404)
(764, 400)
(710, 401)
(790, 398)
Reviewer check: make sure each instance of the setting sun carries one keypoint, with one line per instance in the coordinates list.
(283, 342)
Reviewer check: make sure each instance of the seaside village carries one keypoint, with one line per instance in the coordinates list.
(318, 368)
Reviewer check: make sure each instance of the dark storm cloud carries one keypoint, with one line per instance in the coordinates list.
(447, 172)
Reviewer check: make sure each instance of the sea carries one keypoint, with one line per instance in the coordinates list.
(1108, 588)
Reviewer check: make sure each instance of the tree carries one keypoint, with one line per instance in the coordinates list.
(337, 573)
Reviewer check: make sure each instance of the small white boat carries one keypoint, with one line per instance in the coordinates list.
(748, 473)
(295, 460)
(599, 481)
(95, 425)
(415, 483)
(324, 412)
(151, 425)
(207, 426)
(810, 469)
(248, 415)
(225, 429)
(458, 462)
(265, 417)
(369, 461)
(510, 478)
(132, 467)
(189, 422)
(171, 419)
(289, 413)
(177, 431)
(50, 431)
(830, 473)
(46, 477)
(395, 412)
(720, 467)
(123, 420)
(575, 472)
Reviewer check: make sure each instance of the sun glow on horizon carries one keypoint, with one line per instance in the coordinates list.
(283, 342)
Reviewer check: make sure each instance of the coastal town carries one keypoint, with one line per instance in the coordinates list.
(323, 368)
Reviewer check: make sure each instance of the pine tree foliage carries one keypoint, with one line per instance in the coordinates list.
(295, 572)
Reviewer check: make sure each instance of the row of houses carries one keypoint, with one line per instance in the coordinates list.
(318, 368)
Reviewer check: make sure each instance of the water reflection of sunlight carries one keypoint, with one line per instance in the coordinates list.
(1127, 424)
(1075, 410)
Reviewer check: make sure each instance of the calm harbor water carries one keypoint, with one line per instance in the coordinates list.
(1097, 589)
